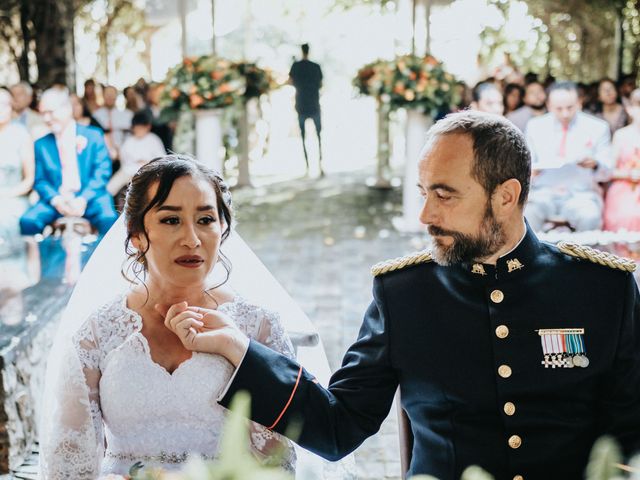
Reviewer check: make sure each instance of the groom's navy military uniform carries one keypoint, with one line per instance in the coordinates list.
(517, 367)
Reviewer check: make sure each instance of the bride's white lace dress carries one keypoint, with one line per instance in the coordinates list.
(116, 406)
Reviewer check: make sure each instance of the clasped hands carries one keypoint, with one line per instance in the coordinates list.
(69, 206)
(204, 330)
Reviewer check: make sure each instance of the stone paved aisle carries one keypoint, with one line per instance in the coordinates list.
(319, 237)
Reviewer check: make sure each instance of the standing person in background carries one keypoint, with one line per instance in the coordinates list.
(534, 105)
(16, 173)
(622, 203)
(306, 77)
(608, 105)
(115, 122)
(22, 94)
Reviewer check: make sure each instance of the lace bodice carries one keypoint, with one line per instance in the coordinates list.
(141, 412)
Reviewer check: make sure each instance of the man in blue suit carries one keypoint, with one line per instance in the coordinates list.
(72, 170)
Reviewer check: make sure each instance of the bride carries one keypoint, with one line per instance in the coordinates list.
(123, 389)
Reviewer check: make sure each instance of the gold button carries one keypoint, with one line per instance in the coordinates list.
(504, 371)
(518, 477)
(497, 296)
(515, 441)
(502, 331)
(509, 408)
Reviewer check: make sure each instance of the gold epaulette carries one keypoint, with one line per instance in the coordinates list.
(596, 256)
(401, 262)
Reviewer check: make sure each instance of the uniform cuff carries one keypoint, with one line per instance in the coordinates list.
(233, 377)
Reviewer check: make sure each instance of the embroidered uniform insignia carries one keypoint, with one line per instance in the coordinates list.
(514, 264)
(478, 269)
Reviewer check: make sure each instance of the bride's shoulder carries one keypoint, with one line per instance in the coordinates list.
(248, 316)
(113, 318)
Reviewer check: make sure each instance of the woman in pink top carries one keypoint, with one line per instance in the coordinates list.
(622, 204)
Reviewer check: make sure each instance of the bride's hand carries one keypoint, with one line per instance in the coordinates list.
(203, 330)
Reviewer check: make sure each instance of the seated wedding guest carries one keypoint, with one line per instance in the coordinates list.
(129, 391)
(626, 85)
(608, 105)
(72, 170)
(622, 203)
(534, 105)
(159, 125)
(509, 353)
(133, 100)
(115, 122)
(513, 97)
(464, 96)
(570, 154)
(22, 98)
(81, 114)
(16, 174)
(91, 98)
(138, 149)
(487, 98)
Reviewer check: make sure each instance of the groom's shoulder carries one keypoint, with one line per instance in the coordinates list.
(421, 257)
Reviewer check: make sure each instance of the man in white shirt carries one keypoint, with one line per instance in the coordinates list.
(570, 155)
(115, 122)
(72, 170)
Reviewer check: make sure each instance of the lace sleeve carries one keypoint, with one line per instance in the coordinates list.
(270, 446)
(73, 437)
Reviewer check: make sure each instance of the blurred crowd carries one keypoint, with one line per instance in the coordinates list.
(585, 147)
(66, 155)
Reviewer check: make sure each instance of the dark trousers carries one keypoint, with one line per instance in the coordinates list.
(315, 116)
(100, 213)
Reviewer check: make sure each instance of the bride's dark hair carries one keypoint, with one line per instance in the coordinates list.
(165, 171)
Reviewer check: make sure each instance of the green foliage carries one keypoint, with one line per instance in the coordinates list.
(604, 460)
(409, 81)
(572, 39)
(475, 473)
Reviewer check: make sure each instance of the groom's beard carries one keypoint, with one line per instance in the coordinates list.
(467, 248)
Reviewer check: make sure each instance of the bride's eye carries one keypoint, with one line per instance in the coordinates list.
(207, 220)
(170, 220)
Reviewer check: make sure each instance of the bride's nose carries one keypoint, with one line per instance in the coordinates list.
(190, 237)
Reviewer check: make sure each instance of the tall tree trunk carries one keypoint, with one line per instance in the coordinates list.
(54, 42)
(619, 43)
(25, 29)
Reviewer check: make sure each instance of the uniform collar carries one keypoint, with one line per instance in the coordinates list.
(510, 265)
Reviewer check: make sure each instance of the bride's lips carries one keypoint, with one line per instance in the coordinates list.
(189, 261)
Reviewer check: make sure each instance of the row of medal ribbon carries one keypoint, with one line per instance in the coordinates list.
(563, 348)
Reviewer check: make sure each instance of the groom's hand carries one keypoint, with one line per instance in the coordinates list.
(203, 330)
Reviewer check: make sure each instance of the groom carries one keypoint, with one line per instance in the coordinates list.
(509, 353)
